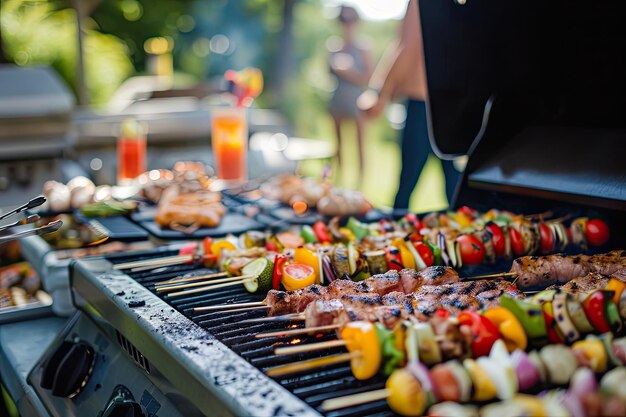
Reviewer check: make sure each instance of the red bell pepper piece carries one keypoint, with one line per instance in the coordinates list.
(206, 245)
(394, 260)
(484, 332)
(277, 275)
(322, 233)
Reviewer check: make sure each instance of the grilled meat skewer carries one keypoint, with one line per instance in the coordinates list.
(420, 304)
(406, 281)
(539, 272)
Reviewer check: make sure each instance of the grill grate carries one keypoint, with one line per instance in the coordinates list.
(313, 387)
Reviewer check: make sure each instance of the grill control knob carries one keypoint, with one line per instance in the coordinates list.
(124, 409)
(66, 372)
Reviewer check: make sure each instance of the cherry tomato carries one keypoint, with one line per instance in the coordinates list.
(322, 233)
(497, 238)
(425, 253)
(597, 232)
(547, 238)
(517, 242)
(472, 249)
(271, 246)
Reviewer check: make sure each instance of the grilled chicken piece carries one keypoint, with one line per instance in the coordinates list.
(542, 271)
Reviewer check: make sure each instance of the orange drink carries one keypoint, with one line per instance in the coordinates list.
(229, 140)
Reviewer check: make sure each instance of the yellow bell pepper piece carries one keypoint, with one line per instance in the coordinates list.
(594, 351)
(406, 396)
(617, 286)
(484, 389)
(219, 245)
(361, 338)
(509, 327)
(306, 256)
(533, 405)
(399, 334)
(347, 233)
(408, 261)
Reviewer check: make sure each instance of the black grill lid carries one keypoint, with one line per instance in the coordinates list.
(534, 92)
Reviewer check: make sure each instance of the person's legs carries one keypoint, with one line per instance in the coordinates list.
(452, 178)
(360, 132)
(337, 122)
(415, 149)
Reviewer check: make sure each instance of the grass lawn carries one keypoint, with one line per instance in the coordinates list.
(382, 159)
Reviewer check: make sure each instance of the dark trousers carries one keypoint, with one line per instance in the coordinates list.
(415, 151)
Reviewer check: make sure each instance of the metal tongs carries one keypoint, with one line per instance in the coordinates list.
(48, 228)
(35, 202)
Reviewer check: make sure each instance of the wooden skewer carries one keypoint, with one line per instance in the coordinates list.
(311, 364)
(173, 262)
(285, 317)
(355, 399)
(192, 278)
(487, 276)
(155, 261)
(295, 332)
(173, 287)
(289, 350)
(229, 306)
(208, 288)
(241, 310)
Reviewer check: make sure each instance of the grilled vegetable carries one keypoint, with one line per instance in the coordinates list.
(322, 233)
(407, 396)
(277, 274)
(509, 327)
(262, 269)
(594, 351)
(529, 315)
(472, 249)
(306, 256)
(484, 332)
(307, 233)
(597, 232)
(376, 261)
(340, 261)
(392, 357)
(484, 389)
(394, 260)
(361, 337)
(296, 276)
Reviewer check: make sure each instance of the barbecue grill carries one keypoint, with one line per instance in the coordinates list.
(530, 149)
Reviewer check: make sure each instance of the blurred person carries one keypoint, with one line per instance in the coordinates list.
(401, 73)
(350, 61)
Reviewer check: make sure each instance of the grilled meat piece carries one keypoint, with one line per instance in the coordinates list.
(590, 282)
(323, 312)
(542, 271)
(456, 297)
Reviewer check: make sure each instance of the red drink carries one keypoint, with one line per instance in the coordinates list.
(131, 154)
(229, 137)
